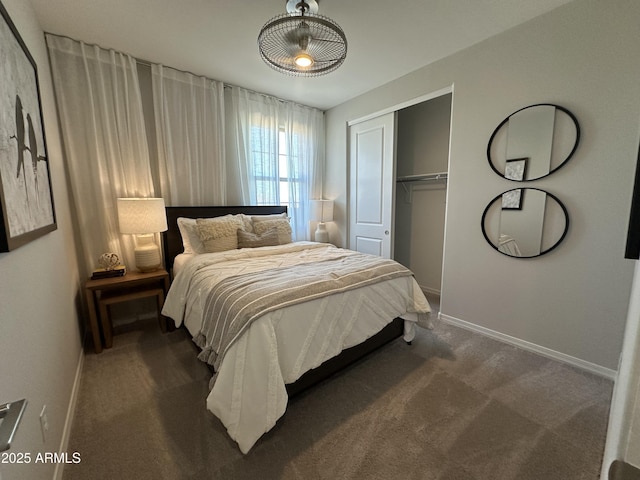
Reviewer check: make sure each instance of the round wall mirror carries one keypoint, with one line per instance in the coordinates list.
(525, 222)
(533, 142)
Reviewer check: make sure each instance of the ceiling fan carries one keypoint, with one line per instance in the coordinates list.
(301, 42)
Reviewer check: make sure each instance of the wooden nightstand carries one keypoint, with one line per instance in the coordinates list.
(107, 291)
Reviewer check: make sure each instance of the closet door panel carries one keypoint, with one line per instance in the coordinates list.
(372, 246)
(371, 193)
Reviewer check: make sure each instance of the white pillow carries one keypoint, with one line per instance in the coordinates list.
(190, 238)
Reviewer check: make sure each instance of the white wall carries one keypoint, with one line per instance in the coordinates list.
(582, 56)
(39, 287)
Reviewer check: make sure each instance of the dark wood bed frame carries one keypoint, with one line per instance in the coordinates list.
(172, 246)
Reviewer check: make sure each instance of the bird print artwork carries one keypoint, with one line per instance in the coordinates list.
(33, 149)
(24, 169)
(26, 200)
(21, 136)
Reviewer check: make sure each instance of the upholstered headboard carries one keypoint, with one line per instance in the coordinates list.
(171, 239)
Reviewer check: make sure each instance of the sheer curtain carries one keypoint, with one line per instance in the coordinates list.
(104, 138)
(275, 150)
(304, 137)
(189, 118)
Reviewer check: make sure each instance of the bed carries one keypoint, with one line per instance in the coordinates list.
(287, 314)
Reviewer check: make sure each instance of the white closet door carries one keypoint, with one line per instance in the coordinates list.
(372, 185)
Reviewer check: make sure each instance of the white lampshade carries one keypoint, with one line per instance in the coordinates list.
(143, 217)
(322, 210)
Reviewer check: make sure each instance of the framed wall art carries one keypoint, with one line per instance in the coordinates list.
(516, 169)
(512, 200)
(25, 184)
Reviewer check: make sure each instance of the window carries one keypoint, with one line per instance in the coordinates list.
(280, 154)
(276, 170)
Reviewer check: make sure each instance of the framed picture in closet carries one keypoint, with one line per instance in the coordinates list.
(512, 199)
(516, 169)
(27, 210)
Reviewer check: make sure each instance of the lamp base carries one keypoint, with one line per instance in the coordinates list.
(147, 254)
(321, 235)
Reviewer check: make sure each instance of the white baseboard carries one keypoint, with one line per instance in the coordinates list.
(532, 347)
(428, 290)
(66, 431)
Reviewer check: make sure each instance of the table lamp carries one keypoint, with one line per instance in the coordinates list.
(321, 211)
(143, 217)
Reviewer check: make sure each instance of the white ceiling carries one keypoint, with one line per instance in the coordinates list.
(217, 38)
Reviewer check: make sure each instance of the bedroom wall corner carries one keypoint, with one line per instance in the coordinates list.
(40, 339)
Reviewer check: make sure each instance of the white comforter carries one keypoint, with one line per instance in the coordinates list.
(249, 393)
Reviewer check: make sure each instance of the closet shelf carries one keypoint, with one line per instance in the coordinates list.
(428, 177)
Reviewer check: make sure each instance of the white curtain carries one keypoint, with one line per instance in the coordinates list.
(105, 144)
(271, 152)
(275, 150)
(189, 118)
(304, 137)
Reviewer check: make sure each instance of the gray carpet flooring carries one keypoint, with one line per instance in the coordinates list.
(455, 405)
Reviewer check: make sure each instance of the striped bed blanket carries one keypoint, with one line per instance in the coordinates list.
(236, 301)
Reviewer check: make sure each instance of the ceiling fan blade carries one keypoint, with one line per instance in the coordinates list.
(327, 40)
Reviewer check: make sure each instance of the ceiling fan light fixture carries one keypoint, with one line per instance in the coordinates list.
(303, 60)
(302, 42)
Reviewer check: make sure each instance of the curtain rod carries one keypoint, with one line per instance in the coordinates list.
(227, 84)
(148, 63)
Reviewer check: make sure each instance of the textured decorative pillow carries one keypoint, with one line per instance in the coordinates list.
(281, 225)
(253, 240)
(219, 234)
(258, 218)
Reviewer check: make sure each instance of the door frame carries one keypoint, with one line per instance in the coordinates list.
(400, 106)
(394, 108)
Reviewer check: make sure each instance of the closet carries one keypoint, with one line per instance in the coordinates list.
(422, 159)
(404, 219)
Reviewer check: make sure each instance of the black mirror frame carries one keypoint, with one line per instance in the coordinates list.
(562, 237)
(495, 132)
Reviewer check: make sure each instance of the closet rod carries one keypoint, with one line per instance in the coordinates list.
(423, 178)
